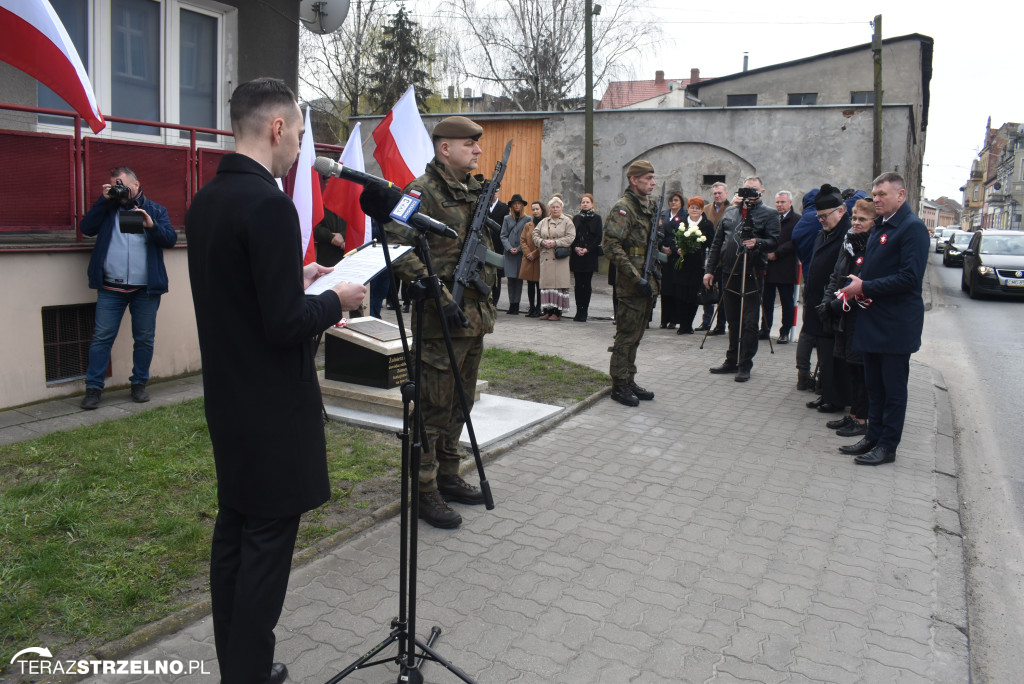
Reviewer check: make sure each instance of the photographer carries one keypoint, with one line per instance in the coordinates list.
(752, 229)
(127, 270)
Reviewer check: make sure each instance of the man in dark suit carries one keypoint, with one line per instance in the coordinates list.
(781, 275)
(889, 328)
(263, 406)
(499, 210)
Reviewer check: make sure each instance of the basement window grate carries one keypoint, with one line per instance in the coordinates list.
(67, 332)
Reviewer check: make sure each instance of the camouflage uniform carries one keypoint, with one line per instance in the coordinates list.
(450, 201)
(626, 232)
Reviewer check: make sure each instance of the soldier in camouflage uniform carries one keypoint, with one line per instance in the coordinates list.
(448, 192)
(626, 234)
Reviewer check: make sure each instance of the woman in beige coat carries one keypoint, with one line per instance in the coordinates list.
(557, 230)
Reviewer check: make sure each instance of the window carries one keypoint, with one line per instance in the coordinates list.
(741, 100)
(803, 98)
(710, 179)
(862, 97)
(197, 71)
(67, 332)
(975, 197)
(74, 15)
(135, 62)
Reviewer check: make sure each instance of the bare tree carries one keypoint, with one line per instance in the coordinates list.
(534, 50)
(336, 66)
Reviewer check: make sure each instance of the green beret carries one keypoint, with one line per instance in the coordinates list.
(641, 167)
(457, 127)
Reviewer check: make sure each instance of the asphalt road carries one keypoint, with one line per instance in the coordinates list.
(978, 345)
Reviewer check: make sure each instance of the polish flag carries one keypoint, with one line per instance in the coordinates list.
(342, 196)
(35, 41)
(306, 194)
(403, 146)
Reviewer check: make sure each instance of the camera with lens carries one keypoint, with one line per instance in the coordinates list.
(120, 192)
(749, 194)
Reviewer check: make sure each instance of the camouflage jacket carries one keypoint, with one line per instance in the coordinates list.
(626, 231)
(451, 202)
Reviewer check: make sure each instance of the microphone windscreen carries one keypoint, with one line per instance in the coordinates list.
(377, 200)
(322, 165)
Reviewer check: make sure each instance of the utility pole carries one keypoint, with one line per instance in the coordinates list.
(876, 49)
(588, 135)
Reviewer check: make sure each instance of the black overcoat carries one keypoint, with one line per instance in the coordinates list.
(588, 235)
(823, 262)
(256, 330)
(785, 268)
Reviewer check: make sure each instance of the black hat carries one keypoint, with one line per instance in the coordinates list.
(517, 198)
(829, 197)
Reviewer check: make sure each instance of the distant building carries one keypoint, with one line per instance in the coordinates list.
(659, 93)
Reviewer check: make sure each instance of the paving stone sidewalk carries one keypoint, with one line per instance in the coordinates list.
(713, 534)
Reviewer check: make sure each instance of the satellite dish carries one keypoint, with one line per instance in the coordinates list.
(323, 16)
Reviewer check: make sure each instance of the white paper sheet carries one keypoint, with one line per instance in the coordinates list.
(359, 266)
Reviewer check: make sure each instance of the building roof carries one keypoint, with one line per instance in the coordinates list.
(625, 93)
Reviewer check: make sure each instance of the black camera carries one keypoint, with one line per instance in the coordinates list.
(749, 194)
(120, 192)
(130, 221)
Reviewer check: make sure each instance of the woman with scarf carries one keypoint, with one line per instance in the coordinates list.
(583, 254)
(553, 232)
(688, 279)
(529, 267)
(844, 318)
(672, 219)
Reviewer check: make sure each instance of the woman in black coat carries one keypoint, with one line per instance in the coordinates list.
(688, 280)
(671, 294)
(583, 254)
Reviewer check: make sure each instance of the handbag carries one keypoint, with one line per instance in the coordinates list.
(710, 296)
(561, 252)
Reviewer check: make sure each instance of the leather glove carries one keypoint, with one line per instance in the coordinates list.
(836, 305)
(454, 316)
(824, 314)
(644, 287)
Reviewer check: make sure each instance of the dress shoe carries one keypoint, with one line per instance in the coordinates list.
(454, 488)
(876, 456)
(639, 392)
(854, 429)
(405, 307)
(278, 673)
(436, 511)
(763, 335)
(724, 368)
(92, 398)
(839, 423)
(829, 407)
(742, 375)
(702, 328)
(513, 309)
(139, 394)
(580, 318)
(783, 338)
(815, 403)
(534, 312)
(684, 331)
(862, 447)
(623, 395)
(717, 331)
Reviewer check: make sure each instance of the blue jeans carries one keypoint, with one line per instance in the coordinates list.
(110, 308)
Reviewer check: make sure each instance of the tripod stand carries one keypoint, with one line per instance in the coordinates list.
(413, 436)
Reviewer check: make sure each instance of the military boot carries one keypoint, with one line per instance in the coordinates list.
(454, 488)
(623, 395)
(436, 511)
(803, 380)
(639, 392)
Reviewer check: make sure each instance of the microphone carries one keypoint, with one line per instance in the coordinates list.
(381, 202)
(329, 167)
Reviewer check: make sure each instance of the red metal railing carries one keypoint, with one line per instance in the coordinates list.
(48, 181)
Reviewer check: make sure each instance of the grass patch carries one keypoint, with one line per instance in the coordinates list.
(107, 527)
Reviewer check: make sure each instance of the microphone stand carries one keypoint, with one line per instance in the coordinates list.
(413, 436)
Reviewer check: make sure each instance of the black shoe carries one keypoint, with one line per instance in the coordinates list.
(702, 327)
(684, 331)
(854, 429)
(534, 312)
(763, 335)
(862, 447)
(278, 673)
(139, 394)
(786, 337)
(454, 488)
(92, 398)
(742, 375)
(639, 392)
(839, 423)
(405, 308)
(829, 407)
(803, 380)
(724, 368)
(513, 309)
(876, 456)
(623, 395)
(815, 403)
(664, 325)
(717, 331)
(436, 511)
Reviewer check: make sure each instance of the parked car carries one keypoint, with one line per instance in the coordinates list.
(994, 264)
(953, 254)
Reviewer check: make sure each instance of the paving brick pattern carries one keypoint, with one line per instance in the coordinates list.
(713, 534)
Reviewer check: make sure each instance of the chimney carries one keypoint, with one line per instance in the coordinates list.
(694, 75)
(451, 92)
(467, 93)
(659, 77)
(745, 58)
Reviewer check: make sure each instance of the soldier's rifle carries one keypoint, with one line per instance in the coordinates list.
(653, 253)
(475, 255)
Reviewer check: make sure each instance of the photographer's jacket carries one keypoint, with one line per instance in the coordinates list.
(727, 246)
(626, 232)
(101, 222)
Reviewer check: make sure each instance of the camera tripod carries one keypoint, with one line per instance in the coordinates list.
(412, 651)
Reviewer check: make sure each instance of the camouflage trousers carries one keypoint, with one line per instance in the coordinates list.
(442, 412)
(631, 319)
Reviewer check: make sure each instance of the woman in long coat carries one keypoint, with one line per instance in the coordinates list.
(529, 267)
(511, 233)
(688, 279)
(557, 230)
(672, 219)
(583, 254)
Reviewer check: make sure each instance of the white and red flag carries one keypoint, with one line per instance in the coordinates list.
(306, 193)
(342, 196)
(403, 146)
(36, 42)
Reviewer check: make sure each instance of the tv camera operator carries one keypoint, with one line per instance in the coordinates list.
(744, 237)
(127, 271)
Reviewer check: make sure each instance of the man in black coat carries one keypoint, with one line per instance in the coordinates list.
(499, 210)
(889, 327)
(835, 223)
(782, 273)
(263, 406)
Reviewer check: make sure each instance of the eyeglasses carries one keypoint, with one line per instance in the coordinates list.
(822, 217)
